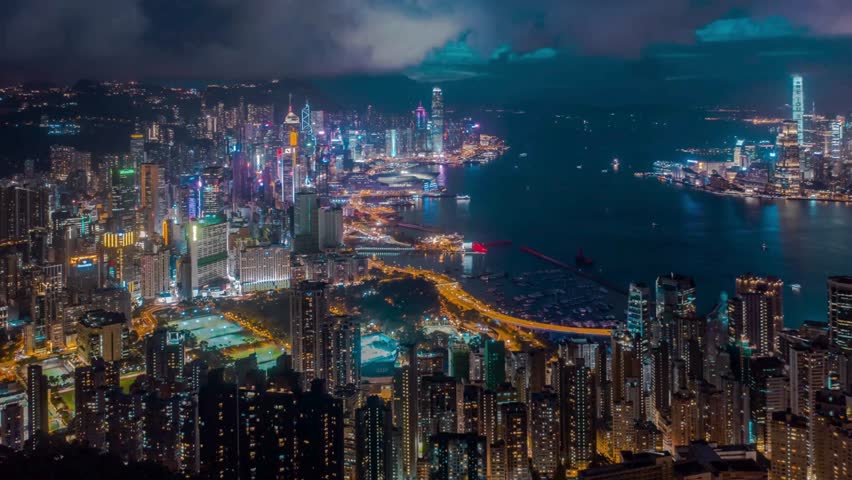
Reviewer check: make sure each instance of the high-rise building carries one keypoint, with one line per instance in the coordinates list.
(545, 433)
(840, 312)
(495, 363)
(457, 456)
(37, 419)
(437, 121)
(12, 426)
(22, 209)
(513, 422)
(798, 105)
(264, 268)
(137, 149)
(101, 334)
(440, 404)
(306, 223)
(153, 201)
(156, 277)
(638, 310)
(92, 385)
(339, 351)
(578, 414)
(757, 313)
(786, 176)
(164, 356)
(308, 308)
(208, 250)
(373, 438)
(406, 395)
(122, 199)
(788, 446)
(330, 227)
(392, 140)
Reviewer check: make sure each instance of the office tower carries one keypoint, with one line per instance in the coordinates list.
(137, 149)
(153, 200)
(545, 433)
(406, 395)
(164, 356)
(330, 227)
(759, 312)
(675, 295)
(578, 416)
(101, 334)
(308, 308)
(788, 446)
(264, 268)
(122, 198)
(634, 466)
(513, 423)
(37, 395)
(12, 426)
(156, 276)
(91, 387)
(23, 208)
(213, 190)
(638, 311)
(495, 363)
(840, 313)
(373, 438)
(208, 250)
(457, 456)
(305, 223)
(786, 177)
(118, 252)
(799, 107)
(60, 162)
(392, 143)
(437, 121)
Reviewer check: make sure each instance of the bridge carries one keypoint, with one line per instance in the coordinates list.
(452, 292)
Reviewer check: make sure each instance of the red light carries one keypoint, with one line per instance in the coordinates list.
(280, 152)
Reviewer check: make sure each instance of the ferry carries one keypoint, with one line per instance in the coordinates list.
(523, 155)
(579, 167)
(796, 287)
(615, 163)
(462, 197)
(764, 247)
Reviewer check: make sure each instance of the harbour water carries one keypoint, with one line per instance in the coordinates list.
(636, 229)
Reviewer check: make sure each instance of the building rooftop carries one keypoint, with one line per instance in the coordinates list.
(102, 318)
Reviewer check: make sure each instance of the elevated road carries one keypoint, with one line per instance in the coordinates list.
(452, 292)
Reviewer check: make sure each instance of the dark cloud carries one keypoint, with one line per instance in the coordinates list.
(66, 39)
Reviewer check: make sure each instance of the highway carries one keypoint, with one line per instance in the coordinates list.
(452, 291)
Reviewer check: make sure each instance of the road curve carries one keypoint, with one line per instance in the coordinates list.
(451, 290)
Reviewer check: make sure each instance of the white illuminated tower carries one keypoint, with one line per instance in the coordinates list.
(799, 106)
(437, 121)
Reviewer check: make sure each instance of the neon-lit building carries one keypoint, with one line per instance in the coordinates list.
(437, 121)
(799, 108)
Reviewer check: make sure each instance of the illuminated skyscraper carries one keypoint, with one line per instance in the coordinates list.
(37, 419)
(495, 364)
(374, 450)
(208, 250)
(788, 435)
(638, 310)
(840, 312)
(437, 121)
(405, 395)
(308, 307)
(513, 417)
(153, 197)
(786, 177)
(799, 107)
(756, 314)
(544, 419)
(391, 143)
(457, 456)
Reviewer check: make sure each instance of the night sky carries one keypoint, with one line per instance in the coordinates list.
(646, 49)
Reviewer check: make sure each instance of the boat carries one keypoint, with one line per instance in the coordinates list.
(523, 155)
(615, 163)
(462, 197)
(581, 260)
(764, 247)
(796, 287)
(653, 224)
(579, 167)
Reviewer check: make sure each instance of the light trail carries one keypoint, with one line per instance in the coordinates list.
(450, 290)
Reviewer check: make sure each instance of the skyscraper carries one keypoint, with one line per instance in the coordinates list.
(514, 426)
(799, 107)
(374, 448)
(545, 424)
(308, 308)
(840, 312)
(208, 250)
(437, 121)
(153, 197)
(788, 434)
(405, 394)
(495, 363)
(36, 404)
(306, 223)
(786, 177)
(457, 456)
(758, 312)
